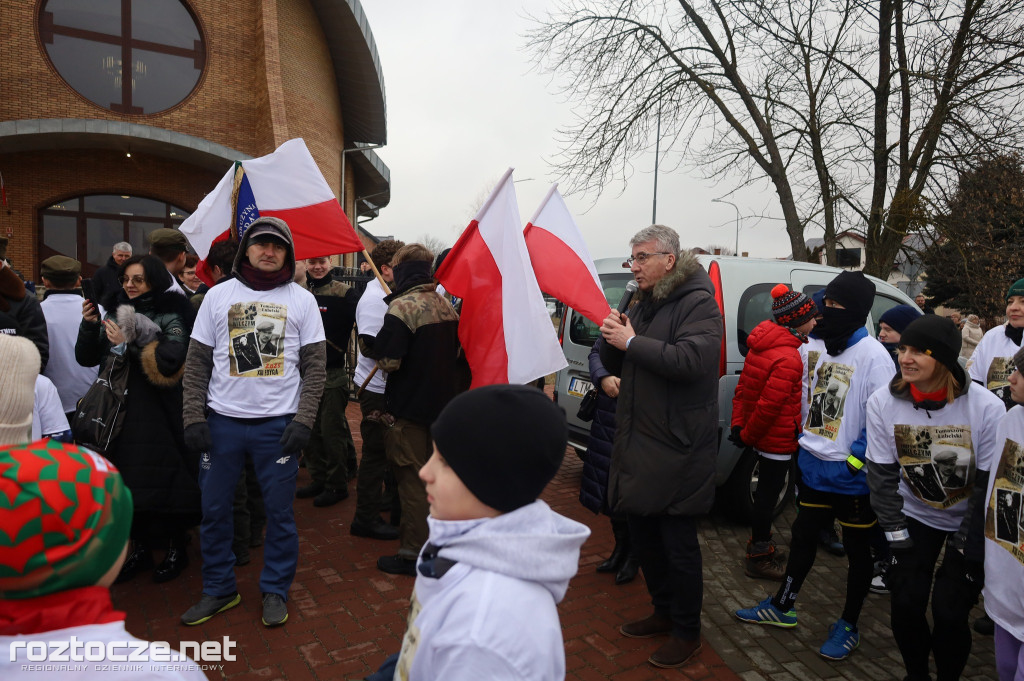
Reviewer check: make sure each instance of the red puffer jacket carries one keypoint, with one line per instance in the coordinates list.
(767, 400)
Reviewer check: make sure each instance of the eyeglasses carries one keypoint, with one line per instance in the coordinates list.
(641, 258)
(187, 273)
(138, 279)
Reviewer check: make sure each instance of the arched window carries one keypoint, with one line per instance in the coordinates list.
(86, 227)
(129, 56)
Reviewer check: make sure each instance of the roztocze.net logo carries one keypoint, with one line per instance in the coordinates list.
(80, 655)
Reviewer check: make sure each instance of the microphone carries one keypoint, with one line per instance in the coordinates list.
(627, 297)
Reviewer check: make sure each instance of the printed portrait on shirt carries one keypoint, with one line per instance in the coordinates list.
(998, 379)
(828, 398)
(1003, 513)
(257, 337)
(937, 462)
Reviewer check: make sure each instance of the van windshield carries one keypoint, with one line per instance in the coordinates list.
(582, 331)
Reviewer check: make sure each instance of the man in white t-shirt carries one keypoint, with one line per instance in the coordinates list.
(373, 466)
(262, 406)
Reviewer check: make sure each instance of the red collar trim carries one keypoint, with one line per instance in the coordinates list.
(918, 396)
(60, 610)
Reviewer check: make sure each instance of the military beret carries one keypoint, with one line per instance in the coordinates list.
(60, 265)
(168, 238)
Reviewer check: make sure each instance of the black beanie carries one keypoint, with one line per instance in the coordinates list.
(505, 442)
(939, 338)
(853, 291)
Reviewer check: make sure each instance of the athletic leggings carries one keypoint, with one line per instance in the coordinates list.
(952, 598)
(817, 511)
(771, 477)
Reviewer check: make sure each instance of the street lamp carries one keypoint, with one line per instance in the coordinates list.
(737, 221)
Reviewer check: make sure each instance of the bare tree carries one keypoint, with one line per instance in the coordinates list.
(857, 111)
(433, 243)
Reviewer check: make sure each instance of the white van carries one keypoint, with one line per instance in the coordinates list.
(743, 291)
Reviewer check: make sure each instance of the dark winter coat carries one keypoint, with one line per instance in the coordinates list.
(106, 282)
(337, 302)
(666, 439)
(20, 310)
(150, 451)
(594, 484)
(766, 404)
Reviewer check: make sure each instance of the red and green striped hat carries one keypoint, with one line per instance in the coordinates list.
(65, 514)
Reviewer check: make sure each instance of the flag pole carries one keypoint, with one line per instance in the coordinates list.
(543, 203)
(387, 292)
(233, 229)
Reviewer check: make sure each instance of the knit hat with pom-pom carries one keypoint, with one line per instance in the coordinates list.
(791, 308)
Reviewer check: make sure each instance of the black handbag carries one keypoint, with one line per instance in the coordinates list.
(588, 405)
(100, 414)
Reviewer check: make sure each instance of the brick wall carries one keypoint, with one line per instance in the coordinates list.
(309, 89)
(225, 108)
(39, 179)
(268, 78)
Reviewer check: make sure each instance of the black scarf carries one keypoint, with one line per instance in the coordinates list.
(839, 325)
(411, 273)
(258, 280)
(1016, 334)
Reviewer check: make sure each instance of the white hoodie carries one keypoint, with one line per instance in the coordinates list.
(493, 614)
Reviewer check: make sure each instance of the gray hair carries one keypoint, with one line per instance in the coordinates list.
(973, 318)
(123, 247)
(666, 238)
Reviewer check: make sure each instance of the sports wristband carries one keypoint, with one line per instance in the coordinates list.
(898, 535)
(855, 462)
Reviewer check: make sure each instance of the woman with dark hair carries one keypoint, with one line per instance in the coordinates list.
(931, 440)
(149, 323)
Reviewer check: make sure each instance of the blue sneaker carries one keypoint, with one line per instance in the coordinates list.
(765, 612)
(843, 639)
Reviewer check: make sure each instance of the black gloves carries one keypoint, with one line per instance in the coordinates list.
(734, 437)
(968, 572)
(295, 438)
(901, 567)
(197, 437)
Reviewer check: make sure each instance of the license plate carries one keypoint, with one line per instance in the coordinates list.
(579, 387)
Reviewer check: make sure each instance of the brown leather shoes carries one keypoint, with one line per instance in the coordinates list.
(655, 625)
(676, 653)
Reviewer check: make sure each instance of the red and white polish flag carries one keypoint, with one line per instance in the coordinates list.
(504, 327)
(561, 259)
(286, 184)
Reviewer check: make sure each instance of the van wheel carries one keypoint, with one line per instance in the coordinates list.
(738, 490)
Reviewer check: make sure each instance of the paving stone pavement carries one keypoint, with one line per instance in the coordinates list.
(345, 616)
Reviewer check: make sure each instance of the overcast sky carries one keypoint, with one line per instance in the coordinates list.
(463, 105)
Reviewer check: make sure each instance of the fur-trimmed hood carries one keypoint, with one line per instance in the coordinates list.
(158, 327)
(686, 276)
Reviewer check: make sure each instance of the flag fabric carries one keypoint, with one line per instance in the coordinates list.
(561, 259)
(504, 325)
(286, 184)
(246, 210)
(3, 191)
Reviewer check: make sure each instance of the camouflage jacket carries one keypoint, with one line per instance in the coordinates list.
(418, 345)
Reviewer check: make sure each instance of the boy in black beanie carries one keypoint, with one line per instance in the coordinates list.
(498, 559)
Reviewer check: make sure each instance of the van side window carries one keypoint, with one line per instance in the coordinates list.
(582, 331)
(755, 307)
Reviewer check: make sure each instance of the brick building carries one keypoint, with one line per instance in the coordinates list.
(118, 116)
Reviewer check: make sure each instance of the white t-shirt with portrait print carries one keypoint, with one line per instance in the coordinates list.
(256, 337)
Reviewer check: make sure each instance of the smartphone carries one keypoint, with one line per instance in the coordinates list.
(87, 293)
